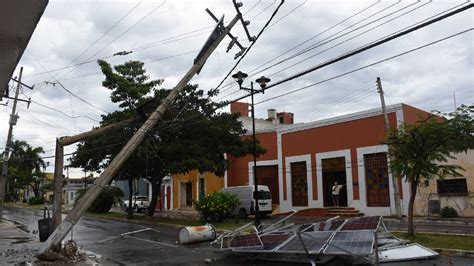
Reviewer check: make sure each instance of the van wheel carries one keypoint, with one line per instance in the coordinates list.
(242, 214)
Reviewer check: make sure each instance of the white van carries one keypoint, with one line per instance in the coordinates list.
(247, 202)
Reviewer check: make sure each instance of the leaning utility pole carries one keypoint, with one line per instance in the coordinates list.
(73, 217)
(396, 189)
(6, 154)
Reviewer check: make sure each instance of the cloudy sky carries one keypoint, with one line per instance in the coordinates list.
(167, 35)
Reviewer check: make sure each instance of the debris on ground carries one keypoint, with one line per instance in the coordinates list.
(69, 254)
(358, 240)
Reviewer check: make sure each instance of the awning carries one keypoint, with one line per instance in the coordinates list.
(18, 20)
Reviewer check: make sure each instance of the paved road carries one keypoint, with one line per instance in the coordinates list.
(154, 246)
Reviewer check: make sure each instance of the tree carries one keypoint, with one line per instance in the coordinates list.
(421, 150)
(33, 164)
(25, 167)
(190, 136)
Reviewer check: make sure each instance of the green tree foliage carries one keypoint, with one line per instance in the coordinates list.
(106, 199)
(217, 206)
(421, 151)
(191, 135)
(25, 167)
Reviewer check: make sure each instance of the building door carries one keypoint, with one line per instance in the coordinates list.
(334, 170)
(168, 197)
(189, 194)
(299, 184)
(201, 188)
(268, 176)
(376, 178)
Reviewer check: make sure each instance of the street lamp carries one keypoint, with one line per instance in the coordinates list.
(262, 81)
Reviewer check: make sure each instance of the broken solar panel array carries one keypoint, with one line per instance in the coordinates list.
(353, 236)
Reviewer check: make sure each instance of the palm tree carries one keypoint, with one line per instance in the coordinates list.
(34, 164)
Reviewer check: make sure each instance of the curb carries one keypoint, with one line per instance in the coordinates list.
(454, 252)
(433, 233)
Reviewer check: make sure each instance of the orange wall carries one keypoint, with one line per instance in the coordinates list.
(238, 172)
(213, 183)
(348, 135)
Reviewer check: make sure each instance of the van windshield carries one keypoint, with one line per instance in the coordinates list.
(264, 195)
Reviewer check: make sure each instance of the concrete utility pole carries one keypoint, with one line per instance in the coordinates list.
(58, 184)
(6, 154)
(73, 217)
(396, 189)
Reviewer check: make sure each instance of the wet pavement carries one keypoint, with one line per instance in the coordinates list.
(156, 245)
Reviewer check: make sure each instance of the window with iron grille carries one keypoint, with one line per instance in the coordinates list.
(452, 187)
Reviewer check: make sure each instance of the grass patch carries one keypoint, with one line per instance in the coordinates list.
(25, 205)
(227, 225)
(441, 240)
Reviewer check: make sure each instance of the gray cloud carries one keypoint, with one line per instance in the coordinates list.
(425, 79)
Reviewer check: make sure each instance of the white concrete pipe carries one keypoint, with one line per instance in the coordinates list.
(193, 234)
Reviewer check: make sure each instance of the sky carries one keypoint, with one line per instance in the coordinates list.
(167, 36)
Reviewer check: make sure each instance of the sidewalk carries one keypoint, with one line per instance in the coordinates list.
(16, 246)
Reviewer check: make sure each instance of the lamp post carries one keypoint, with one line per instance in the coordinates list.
(239, 77)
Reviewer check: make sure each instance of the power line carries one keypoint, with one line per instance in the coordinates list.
(263, 10)
(349, 39)
(251, 45)
(361, 68)
(287, 14)
(106, 32)
(252, 72)
(371, 45)
(123, 33)
(336, 35)
(64, 88)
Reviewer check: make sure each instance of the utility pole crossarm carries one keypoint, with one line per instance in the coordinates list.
(68, 140)
(73, 217)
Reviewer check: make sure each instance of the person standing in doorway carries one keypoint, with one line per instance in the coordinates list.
(336, 190)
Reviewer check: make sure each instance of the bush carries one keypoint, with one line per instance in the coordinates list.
(36, 200)
(217, 206)
(448, 212)
(106, 199)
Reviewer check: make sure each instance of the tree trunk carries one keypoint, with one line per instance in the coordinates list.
(130, 193)
(35, 190)
(413, 187)
(155, 193)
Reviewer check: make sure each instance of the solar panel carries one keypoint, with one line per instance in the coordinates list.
(351, 242)
(242, 241)
(313, 241)
(271, 241)
(296, 228)
(362, 223)
(328, 226)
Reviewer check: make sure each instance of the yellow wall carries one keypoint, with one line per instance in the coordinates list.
(213, 183)
(464, 205)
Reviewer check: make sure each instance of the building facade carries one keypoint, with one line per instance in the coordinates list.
(456, 192)
(305, 160)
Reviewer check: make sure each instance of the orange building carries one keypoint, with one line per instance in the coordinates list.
(304, 160)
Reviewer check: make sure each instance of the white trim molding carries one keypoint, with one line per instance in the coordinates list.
(225, 172)
(319, 174)
(342, 118)
(299, 158)
(280, 171)
(172, 193)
